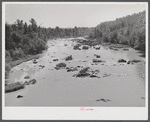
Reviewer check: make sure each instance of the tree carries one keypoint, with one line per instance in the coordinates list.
(57, 31)
(34, 25)
(75, 30)
(25, 28)
(20, 24)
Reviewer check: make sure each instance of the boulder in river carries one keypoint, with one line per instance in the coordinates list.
(27, 77)
(133, 61)
(33, 81)
(97, 61)
(83, 72)
(34, 61)
(129, 62)
(55, 59)
(71, 69)
(97, 56)
(103, 100)
(136, 61)
(41, 66)
(121, 61)
(76, 47)
(93, 76)
(65, 44)
(68, 58)
(19, 96)
(106, 75)
(85, 47)
(60, 65)
(26, 83)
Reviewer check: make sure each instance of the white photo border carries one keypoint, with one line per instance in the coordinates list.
(72, 113)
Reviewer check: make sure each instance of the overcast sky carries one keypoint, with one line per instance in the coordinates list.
(69, 15)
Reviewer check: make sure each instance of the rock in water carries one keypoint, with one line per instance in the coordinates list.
(76, 47)
(33, 81)
(82, 74)
(85, 47)
(97, 56)
(34, 61)
(19, 96)
(129, 62)
(71, 69)
(103, 100)
(26, 83)
(93, 76)
(27, 77)
(121, 61)
(68, 58)
(84, 70)
(61, 65)
(136, 61)
(55, 59)
(96, 60)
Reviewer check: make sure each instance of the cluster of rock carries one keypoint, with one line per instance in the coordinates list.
(32, 81)
(97, 47)
(129, 61)
(97, 61)
(85, 47)
(97, 56)
(76, 47)
(85, 73)
(68, 58)
(117, 47)
(71, 69)
(60, 65)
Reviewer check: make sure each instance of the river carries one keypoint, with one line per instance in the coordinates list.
(124, 86)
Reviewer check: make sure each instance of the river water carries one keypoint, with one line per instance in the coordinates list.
(124, 85)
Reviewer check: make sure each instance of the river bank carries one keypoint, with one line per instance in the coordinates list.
(116, 84)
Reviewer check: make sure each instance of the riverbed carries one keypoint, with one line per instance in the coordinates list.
(117, 85)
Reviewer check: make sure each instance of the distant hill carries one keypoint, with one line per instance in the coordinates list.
(126, 30)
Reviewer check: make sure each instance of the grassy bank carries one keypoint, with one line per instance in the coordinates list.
(10, 87)
(11, 64)
(13, 87)
(27, 58)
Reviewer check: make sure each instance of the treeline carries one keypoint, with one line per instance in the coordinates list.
(129, 30)
(22, 39)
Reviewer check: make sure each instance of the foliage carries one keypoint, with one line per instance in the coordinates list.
(129, 30)
(23, 39)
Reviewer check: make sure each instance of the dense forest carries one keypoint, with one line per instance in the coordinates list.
(22, 39)
(129, 30)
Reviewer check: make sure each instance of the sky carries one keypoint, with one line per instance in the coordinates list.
(69, 15)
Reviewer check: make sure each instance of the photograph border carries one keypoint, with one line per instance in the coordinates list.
(73, 113)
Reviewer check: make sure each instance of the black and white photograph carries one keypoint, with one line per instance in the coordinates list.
(87, 56)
